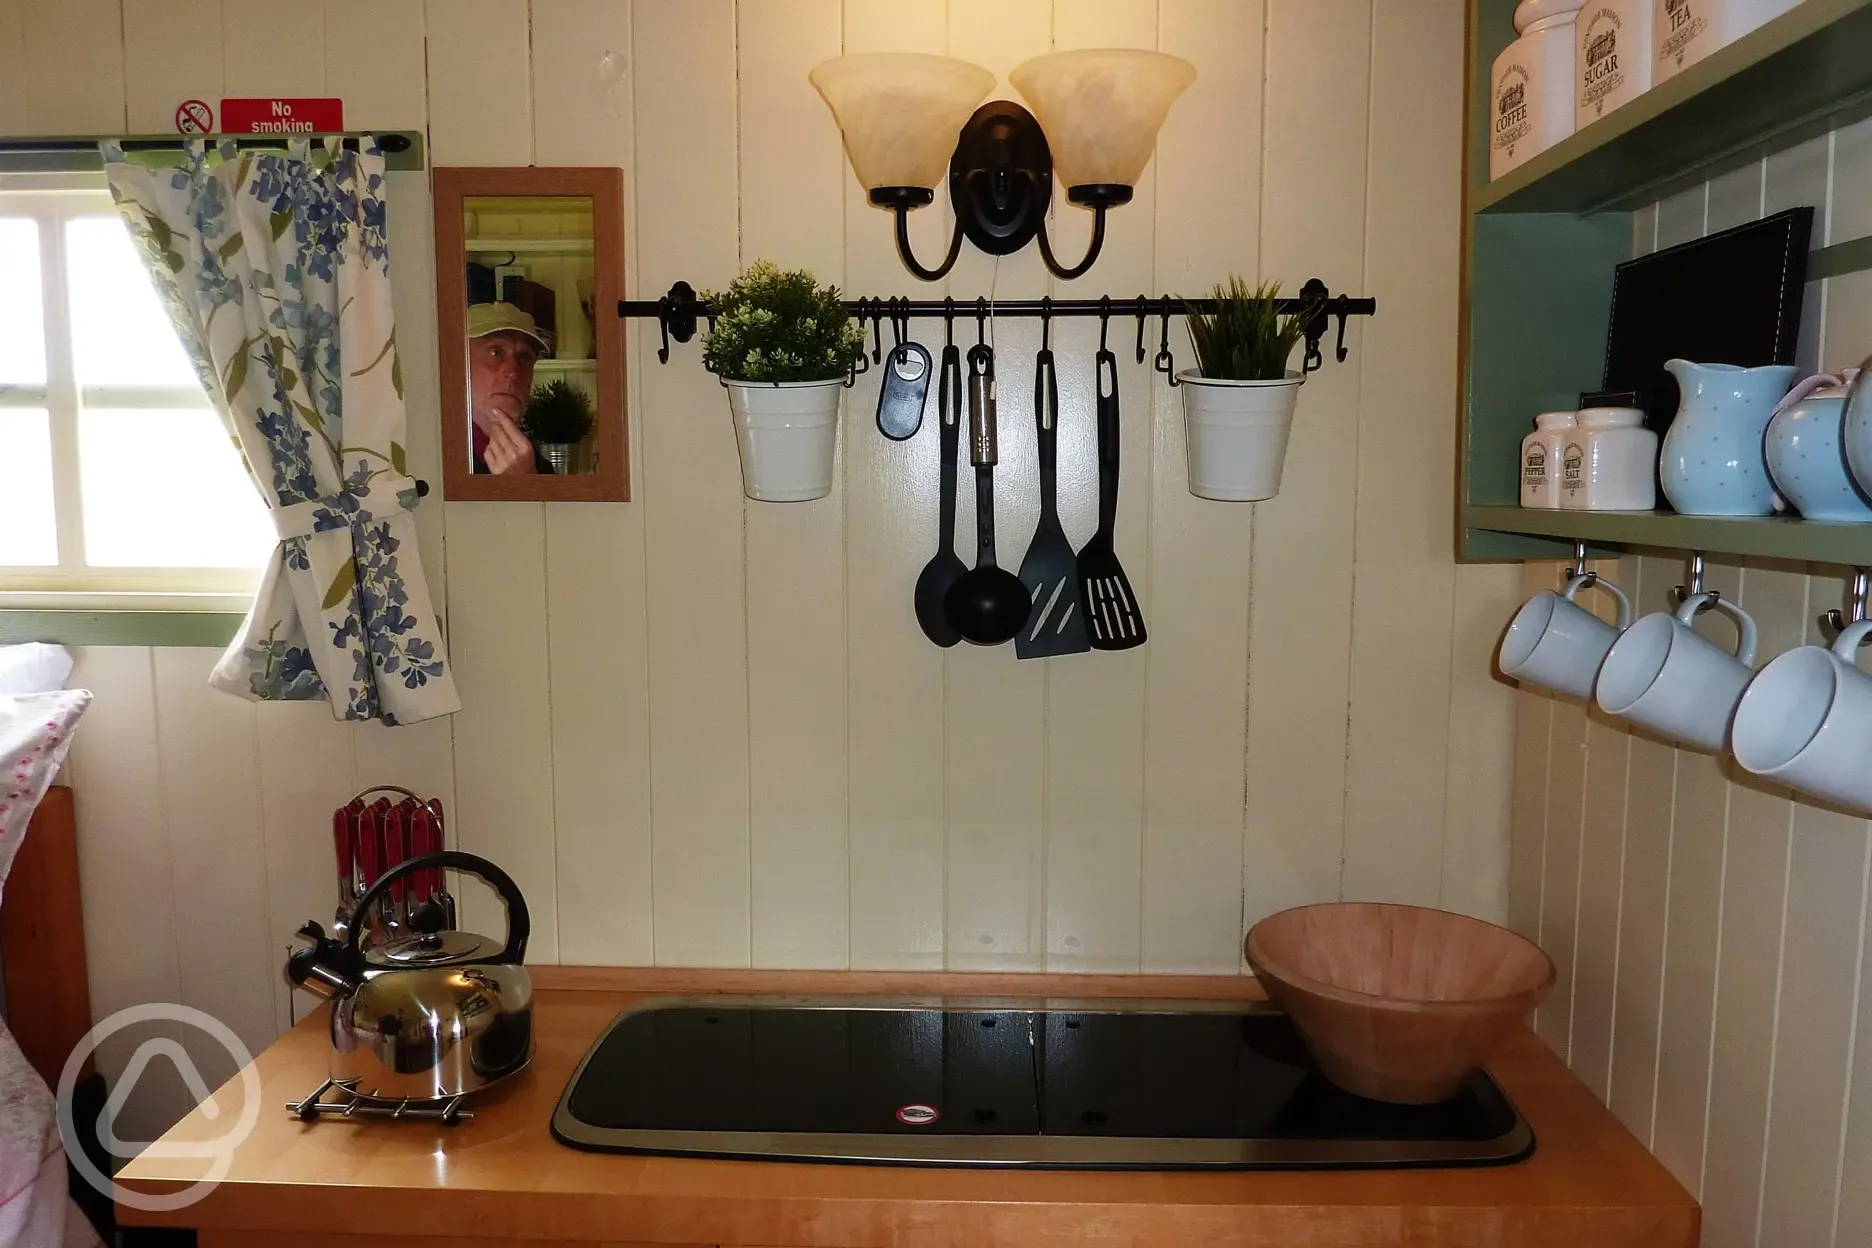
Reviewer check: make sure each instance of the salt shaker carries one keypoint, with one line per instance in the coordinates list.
(1540, 459)
(1609, 464)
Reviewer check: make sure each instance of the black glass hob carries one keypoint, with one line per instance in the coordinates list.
(1080, 1085)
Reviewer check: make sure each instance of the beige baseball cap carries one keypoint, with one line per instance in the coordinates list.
(494, 318)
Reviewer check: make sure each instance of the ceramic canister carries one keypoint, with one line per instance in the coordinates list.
(1805, 455)
(1685, 31)
(1613, 56)
(1532, 97)
(1541, 456)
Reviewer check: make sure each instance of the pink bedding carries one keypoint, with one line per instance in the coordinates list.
(35, 1208)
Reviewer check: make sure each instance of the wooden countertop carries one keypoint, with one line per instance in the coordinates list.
(502, 1177)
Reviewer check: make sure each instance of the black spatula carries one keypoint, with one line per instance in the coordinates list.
(1113, 616)
(1057, 623)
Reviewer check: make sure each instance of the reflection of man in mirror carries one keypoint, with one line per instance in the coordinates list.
(503, 345)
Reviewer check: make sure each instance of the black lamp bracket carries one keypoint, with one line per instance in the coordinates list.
(679, 313)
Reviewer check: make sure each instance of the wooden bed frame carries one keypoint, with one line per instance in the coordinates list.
(48, 993)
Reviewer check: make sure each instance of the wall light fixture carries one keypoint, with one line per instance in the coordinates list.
(904, 114)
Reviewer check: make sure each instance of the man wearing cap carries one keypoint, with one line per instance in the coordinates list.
(503, 345)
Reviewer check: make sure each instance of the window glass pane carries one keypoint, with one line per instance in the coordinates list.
(166, 489)
(22, 311)
(120, 333)
(28, 525)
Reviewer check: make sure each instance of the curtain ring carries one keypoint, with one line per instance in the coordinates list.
(1104, 318)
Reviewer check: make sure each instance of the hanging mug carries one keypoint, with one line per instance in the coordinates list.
(1806, 721)
(1555, 643)
(1663, 675)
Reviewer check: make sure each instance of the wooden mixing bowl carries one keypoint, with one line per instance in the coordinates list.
(1397, 1003)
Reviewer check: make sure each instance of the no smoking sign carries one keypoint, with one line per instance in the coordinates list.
(194, 117)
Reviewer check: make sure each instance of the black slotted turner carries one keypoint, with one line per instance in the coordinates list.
(1057, 623)
(1113, 616)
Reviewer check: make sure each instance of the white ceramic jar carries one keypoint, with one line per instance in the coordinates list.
(1540, 459)
(1531, 100)
(1609, 462)
(1530, 11)
(1683, 32)
(1612, 58)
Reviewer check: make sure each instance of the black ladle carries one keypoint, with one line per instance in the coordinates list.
(944, 568)
(988, 604)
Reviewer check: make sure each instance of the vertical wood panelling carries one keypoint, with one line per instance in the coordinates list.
(1396, 782)
(1095, 703)
(1479, 780)
(1692, 928)
(1313, 223)
(480, 114)
(1533, 774)
(894, 676)
(995, 750)
(1749, 953)
(178, 56)
(683, 67)
(209, 755)
(370, 46)
(74, 66)
(250, 37)
(1602, 852)
(1195, 584)
(13, 94)
(595, 557)
(792, 166)
(1650, 792)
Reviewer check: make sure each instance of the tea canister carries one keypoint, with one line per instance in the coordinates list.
(1541, 454)
(1806, 455)
(1685, 31)
(1612, 64)
(1615, 457)
(1531, 101)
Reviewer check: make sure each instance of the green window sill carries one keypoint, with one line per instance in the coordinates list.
(79, 627)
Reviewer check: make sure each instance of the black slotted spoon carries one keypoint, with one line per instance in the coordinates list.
(1113, 616)
(1057, 624)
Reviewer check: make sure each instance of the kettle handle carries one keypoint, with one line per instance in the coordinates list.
(519, 923)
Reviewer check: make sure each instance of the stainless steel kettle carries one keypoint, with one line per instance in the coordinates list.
(429, 1016)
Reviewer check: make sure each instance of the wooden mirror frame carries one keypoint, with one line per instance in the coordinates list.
(605, 188)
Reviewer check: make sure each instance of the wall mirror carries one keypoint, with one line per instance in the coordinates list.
(529, 270)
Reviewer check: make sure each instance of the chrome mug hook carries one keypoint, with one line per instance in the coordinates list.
(1579, 570)
(1835, 622)
(1681, 594)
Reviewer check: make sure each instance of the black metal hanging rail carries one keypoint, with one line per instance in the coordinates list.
(680, 311)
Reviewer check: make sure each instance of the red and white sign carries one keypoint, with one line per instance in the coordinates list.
(323, 115)
(917, 1115)
(194, 117)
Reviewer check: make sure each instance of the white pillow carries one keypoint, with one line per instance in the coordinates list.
(35, 732)
(34, 667)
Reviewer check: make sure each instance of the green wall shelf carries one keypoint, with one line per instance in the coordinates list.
(1797, 76)
(1767, 538)
(1543, 241)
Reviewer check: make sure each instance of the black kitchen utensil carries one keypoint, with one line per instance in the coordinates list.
(988, 604)
(901, 393)
(944, 568)
(1115, 619)
(1056, 624)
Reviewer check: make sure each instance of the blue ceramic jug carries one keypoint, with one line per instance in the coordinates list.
(1713, 462)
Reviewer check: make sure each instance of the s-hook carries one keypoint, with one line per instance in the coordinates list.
(1693, 586)
(981, 320)
(1104, 320)
(948, 320)
(1143, 315)
(1046, 322)
(1834, 622)
(900, 327)
(1165, 363)
(877, 330)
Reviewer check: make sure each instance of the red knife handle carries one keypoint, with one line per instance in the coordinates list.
(369, 847)
(423, 842)
(401, 836)
(341, 841)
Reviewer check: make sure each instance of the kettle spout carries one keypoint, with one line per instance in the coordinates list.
(314, 968)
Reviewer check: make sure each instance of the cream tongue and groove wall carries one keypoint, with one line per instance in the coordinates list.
(704, 731)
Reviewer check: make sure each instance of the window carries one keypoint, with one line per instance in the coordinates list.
(117, 478)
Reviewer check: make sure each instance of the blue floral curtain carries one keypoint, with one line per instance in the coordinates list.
(274, 267)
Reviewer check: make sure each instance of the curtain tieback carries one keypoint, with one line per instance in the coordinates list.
(349, 507)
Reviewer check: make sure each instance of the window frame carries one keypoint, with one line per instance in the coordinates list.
(72, 585)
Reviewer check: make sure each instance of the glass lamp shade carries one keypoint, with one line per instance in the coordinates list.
(1101, 109)
(900, 112)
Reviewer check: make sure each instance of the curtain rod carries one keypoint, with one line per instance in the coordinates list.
(402, 149)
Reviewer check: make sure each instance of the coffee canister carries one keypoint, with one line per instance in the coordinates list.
(1531, 101)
